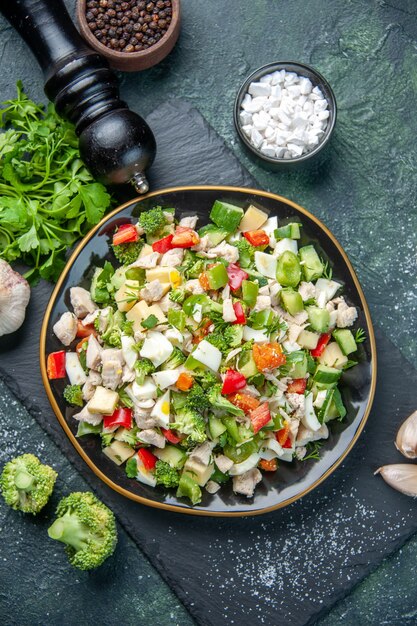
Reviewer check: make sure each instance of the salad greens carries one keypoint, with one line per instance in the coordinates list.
(48, 199)
(209, 355)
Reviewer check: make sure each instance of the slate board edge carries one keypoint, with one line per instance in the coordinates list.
(153, 558)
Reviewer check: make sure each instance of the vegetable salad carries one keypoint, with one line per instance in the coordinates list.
(209, 354)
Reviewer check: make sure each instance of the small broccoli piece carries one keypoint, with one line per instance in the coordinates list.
(143, 368)
(220, 402)
(190, 422)
(152, 220)
(233, 335)
(197, 399)
(131, 467)
(192, 265)
(166, 475)
(246, 252)
(127, 328)
(127, 253)
(218, 340)
(26, 484)
(87, 527)
(177, 295)
(112, 334)
(206, 379)
(176, 359)
(73, 395)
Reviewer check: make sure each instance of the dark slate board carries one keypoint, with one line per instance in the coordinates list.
(291, 565)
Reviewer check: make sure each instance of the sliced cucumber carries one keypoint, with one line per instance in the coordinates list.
(346, 340)
(214, 233)
(319, 319)
(333, 356)
(226, 215)
(216, 427)
(290, 231)
(246, 364)
(291, 301)
(327, 375)
(311, 264)
(307, 339)
(175, 457)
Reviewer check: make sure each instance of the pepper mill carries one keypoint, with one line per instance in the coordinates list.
(116, 144)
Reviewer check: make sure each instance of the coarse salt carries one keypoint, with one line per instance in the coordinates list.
(283, 115)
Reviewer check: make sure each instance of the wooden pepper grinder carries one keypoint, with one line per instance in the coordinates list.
(115, 143)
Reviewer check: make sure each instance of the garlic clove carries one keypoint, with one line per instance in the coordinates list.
(402, 477)
(14, 297)
(406, 441)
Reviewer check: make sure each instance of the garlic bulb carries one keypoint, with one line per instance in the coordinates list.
(14, 297)
(402, 477)
(406, 441)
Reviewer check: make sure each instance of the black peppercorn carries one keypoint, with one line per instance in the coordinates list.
(128, 25)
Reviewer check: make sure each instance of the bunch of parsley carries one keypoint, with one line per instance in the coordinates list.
(48, 199)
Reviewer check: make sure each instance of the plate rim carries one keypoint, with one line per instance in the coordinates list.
(171, 507)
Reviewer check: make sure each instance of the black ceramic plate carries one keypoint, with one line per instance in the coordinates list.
(292, 480)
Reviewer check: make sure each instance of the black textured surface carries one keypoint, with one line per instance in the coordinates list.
(291, 565)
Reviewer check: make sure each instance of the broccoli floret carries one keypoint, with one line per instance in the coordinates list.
(176, 359)
(127, 253)
(143, 368)
(246, 252)
(87, 527)
(152, 220)
(197, 399)
(127, 328)
(73, 395)
(233, 335)
(190, 423)
(192, 266)
(206, 379)
(166, 475)
(131, 467)
(219, 341)
(177, 295)
(112, 334)
(220, 402)
(26, 484)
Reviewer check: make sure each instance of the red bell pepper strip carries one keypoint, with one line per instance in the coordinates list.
(287, 443)
(259, 417)
(239, 312)
(148, 459)
(85, 331)
(55, 365)
(322, 343)
(184, 238)
(126, 233)
(257, 237)
(233, 382)
(170, 435)
(298, 385)
(236, 276)
(163, 245)
(121, 417)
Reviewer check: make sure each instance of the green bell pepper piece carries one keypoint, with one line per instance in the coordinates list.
(288, 269)
(177, 319)
(191, 301)
(240, 453)
(250, 292)
(217, 276)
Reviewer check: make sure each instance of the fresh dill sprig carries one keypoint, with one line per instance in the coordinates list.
(360, 335)
(313, 451)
